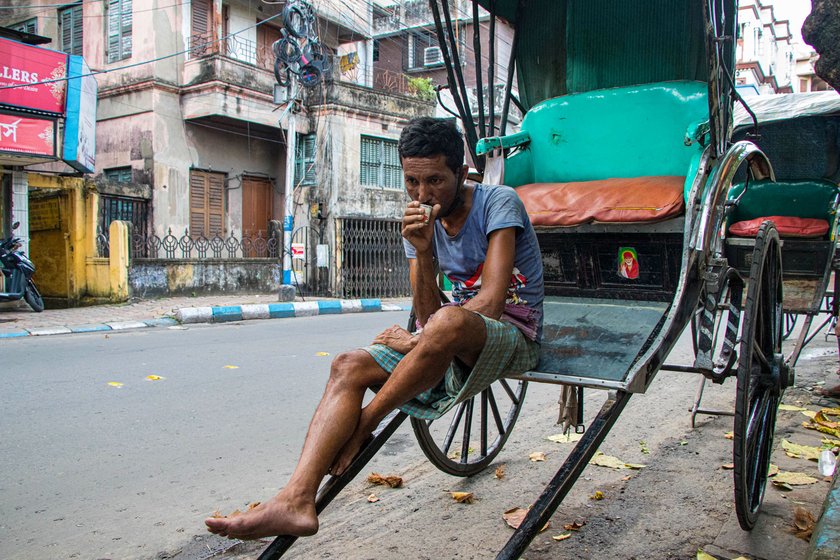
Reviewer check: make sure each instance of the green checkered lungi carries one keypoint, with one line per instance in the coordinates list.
(506, 352)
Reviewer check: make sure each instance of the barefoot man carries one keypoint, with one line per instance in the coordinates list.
(484, 242)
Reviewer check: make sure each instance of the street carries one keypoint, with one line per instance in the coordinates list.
(90, 468)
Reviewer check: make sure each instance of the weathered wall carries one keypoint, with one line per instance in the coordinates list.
(152, 277)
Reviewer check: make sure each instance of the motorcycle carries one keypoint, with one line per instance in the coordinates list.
(17, 270)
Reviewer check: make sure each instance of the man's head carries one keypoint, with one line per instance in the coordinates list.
(432, 156)
(429, 137)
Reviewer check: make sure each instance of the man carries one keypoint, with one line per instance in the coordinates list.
(484, 243)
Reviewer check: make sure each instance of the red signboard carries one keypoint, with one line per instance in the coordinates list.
(22, 67)
(24, 135)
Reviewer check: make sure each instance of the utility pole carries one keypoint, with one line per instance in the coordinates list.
(288, 204)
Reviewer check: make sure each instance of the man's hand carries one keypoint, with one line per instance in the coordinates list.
(415, 229)
(397, 338)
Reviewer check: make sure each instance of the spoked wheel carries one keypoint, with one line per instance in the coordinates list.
(762, 376)
(466, 439)
(790, 323)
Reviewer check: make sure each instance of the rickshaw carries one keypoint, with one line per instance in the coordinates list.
(623, 156)
(800, 133)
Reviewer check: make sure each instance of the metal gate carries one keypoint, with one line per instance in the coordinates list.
(373, 262)
(311, 262)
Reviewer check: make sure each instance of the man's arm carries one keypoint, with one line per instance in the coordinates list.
(495, 276)
(424, 287)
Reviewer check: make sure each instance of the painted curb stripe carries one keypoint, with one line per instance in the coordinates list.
(281, 310)
(329, 307)
(161, 322)
(89, 328)
(306, 309)
(227, 313)
(15, 334)
(371, 305)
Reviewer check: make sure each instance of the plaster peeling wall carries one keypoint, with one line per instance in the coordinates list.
(156, 277)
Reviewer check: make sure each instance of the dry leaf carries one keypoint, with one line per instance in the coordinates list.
(513, 517)
(231, 367)
(626, 478)
(575, 525)
(565, 438)
(537, 456)
(252, 505)
(612, 462)
(562, 537)
(773, 470)
(791, 408)
(831, 442)
(234, 513)
(801, 451)
(322, 353)
(729, 435)
(809, 413)
(703, 556)
(372, 498)
(793, 479)
(644, 447)
(803, 523)
(391, 480)
(500, 472)
(821, 417)
(463, 497)
(728, 466)
(116, 384)
(155, 378)
(598, 495)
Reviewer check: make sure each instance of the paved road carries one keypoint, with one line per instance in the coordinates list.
(90, 470)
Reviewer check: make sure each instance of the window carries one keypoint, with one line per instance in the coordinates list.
(376, 50)
(207, 203)
(380, 163)
(201, 28)
(119, 29)
(118, 174)
(423, 50)
(305, 160)
(28, 26)
(70, 29)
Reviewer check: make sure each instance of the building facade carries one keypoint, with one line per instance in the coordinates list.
(765, 50)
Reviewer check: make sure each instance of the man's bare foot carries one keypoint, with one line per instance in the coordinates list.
(349, 451)
(831, 392)
(278, 516)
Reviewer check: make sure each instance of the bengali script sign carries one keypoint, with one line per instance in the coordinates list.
(25, 135)
(22, 68)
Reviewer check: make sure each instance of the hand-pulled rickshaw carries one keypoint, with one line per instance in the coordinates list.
(625, 161)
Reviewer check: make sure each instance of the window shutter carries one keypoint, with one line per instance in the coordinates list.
(216, 204)
(113, 30)
(200, 33)
(198, 202)
(71, 29)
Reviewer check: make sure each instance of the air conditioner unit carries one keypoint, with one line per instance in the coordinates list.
(432, 56)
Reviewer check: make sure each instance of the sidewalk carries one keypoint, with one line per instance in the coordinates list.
(17, 319)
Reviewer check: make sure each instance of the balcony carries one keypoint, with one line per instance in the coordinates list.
(230, 80)
(404, 14)
(354, 97)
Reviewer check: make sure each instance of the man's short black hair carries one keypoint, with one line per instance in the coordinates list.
(429, 137)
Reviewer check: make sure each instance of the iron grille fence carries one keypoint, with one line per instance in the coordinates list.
(172, 247)
(373, 259)
(112, 207)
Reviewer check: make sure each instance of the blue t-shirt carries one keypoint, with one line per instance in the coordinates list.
(461, 257)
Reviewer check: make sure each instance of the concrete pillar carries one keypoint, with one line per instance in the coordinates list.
(118, 263)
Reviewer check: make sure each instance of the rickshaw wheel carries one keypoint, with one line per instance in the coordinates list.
(466, 439)
(762, 376)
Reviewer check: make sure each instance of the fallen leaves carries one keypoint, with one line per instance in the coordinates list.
(644, 447)
(703, 556)
(791, 408)
(372, 498)
(803, 523)
(231, 367)
(116, 384)
(611, 462)
(575, 525)
(392, 480)
(562, 537)
(800, 451)
(786, 480)
(322, 353)
(822, 423)
(500, 472)
(729, 435)
(728, 466)
(537, 456)
(565, 438)
(598, 495)
(463, 497)
(155, 378)
(514, 517)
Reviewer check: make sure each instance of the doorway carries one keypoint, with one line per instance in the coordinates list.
(256, 211)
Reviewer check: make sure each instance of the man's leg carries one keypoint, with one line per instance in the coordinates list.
(451, 332)
(292, 510)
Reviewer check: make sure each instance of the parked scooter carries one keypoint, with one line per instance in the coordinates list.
(18, 271)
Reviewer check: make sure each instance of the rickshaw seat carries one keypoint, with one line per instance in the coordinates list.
(805, 205)
(630, 133)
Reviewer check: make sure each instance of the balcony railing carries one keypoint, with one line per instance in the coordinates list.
(237, 48)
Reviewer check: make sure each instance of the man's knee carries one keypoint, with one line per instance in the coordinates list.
(347, 368)
(450, 326)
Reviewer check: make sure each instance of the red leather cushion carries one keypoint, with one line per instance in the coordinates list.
(639, 199)
(788, 226)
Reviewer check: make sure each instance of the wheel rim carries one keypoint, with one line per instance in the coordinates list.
(467, 438)
(759, 377)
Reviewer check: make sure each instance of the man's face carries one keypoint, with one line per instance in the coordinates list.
(429, 180)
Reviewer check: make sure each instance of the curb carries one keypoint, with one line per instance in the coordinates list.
(825, 542)
(223, 314)
(228, 313)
